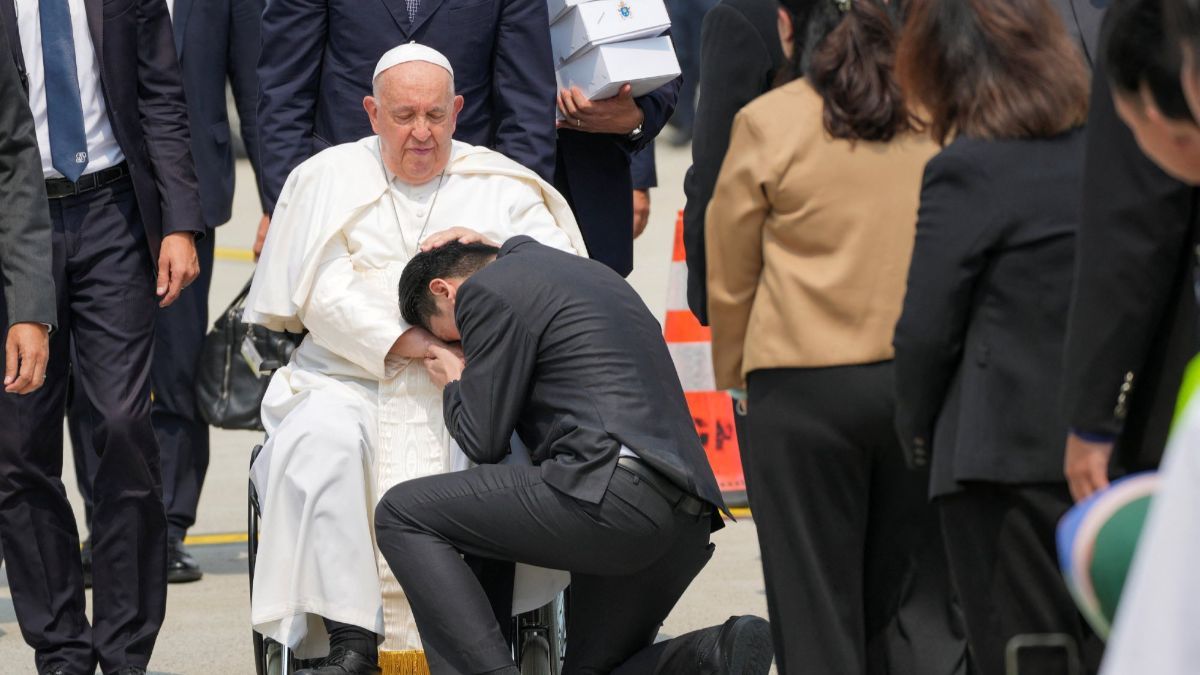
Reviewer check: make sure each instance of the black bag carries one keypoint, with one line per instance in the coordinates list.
(229, 390)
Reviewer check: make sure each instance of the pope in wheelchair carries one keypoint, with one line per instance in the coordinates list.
(352, 414)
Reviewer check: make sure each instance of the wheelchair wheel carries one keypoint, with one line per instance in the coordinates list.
(540, 643)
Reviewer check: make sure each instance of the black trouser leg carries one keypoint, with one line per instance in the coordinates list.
(1000, 544)
(631, 556)
(41, 544)
(836, 511)
(111, 286)
(182, 434)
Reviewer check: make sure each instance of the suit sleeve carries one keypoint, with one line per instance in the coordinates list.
(643, 170)
(950, 253)
(289, 75)
(164, 117)
(729, 84)
(245, 40)
(1132, 238)
(483, 407)
(736, 216)
(657, 106)
(25, 249)
(523, 86)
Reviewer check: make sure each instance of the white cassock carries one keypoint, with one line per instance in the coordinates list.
(344, 423)
(1155, 631)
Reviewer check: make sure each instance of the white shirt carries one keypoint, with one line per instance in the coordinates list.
(171, 9)
(102, 148)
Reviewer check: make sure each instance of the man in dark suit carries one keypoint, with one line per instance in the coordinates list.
(1133, 322)
(318, 57)
(595, 144)
(740, 56)
(565, 353)
(27, 306)
(217, 43)
(107, 102)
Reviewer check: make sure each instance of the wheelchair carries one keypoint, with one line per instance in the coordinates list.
(539, 642)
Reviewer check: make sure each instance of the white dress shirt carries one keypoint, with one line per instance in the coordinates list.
(103, 150)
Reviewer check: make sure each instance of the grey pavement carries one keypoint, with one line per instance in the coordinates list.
(207, 627)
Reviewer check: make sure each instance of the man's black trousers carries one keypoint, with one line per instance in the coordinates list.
(106, 305)
(1000, 543)
(181, 432)
(855, 575)
(631, 557)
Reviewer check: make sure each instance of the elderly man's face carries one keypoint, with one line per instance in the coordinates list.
(414, 112)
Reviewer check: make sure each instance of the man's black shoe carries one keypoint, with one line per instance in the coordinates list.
(53, 671)
(742, 647)
(86, 556)
(342, 661)
(181, 566)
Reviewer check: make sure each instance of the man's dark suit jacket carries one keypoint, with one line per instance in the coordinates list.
(593, 173)
(143, 95)
(318, 57)
(562, 350)
(979, 344)
(218, 41)
(740, 55)
(1133, 312)
(24, 219)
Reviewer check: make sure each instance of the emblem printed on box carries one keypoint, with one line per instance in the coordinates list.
(624, 10)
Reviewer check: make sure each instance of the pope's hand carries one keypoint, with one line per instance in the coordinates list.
(443, 366)
(178, 266)
(26, 351)
(619, 114)
(462, 235)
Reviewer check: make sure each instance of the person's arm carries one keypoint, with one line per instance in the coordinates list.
(245, 40)
(645, 176)
(523, 86)
(25, 249)
(657, 107)
(163, 113)
(352, 317)
(289, 76)
(483, 407)
(735, 67)
(948, 257)
(734, 231)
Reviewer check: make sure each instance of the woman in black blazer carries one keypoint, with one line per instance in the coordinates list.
(979, 344)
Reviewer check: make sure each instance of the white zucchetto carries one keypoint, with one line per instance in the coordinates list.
(411, 52)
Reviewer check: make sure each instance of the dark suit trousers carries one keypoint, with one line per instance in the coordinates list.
(1001, 548)
(106, 304)
(841, 523)
(631, 557)
(182, 433)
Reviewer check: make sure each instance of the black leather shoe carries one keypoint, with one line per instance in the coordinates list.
(742, 647)
(53, 671)
(181, 566)
(342, 661)
(85, 554)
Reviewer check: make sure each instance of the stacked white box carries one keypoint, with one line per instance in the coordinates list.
(647, 64)
(600, 45)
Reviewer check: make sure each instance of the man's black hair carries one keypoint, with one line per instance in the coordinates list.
(454, 260)
(1183, 24)
(1137, 52)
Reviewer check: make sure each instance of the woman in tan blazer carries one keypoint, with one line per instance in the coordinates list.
(809, 235)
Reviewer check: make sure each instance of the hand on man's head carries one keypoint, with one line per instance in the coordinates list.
(462, 235)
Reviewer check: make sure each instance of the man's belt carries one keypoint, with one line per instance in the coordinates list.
(57, 188)
(678, 499)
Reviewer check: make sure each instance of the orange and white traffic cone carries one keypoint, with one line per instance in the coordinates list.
(712, 411)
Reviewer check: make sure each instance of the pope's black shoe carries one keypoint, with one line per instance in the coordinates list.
(342, 661)
(181, 566)
(741, 647)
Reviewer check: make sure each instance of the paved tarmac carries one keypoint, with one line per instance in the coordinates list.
(207, 628)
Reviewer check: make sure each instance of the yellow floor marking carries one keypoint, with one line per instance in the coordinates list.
(234, 254)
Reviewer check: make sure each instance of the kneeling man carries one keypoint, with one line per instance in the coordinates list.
(561, 350)
(348, 417)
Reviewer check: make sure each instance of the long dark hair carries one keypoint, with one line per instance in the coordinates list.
(992, 70)
(848, 58)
